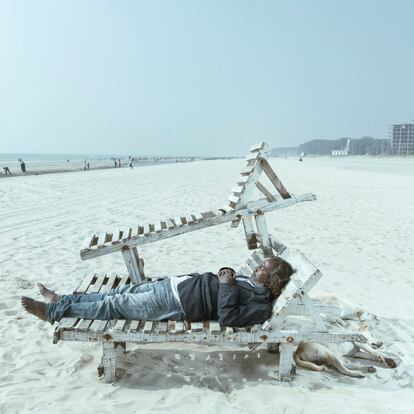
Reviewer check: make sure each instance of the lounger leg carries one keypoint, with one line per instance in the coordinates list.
(287, 366)
(111, 354)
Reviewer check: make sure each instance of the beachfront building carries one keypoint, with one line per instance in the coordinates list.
(402, 138)
(343, 151)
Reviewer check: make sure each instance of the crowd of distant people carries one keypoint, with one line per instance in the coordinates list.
(118, 162)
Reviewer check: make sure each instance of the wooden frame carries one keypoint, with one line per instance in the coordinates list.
(293, 301)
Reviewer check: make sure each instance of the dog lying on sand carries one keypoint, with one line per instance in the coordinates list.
(318, 357)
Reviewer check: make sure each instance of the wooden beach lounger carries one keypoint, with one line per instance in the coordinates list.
(275, 333)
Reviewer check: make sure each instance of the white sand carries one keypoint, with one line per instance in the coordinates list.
(359, 232)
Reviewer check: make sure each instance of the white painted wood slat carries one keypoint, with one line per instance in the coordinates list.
(179, 326)
(196, 326)
(148, 326)
(214, 327)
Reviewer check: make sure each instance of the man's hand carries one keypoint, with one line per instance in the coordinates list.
(226, 275)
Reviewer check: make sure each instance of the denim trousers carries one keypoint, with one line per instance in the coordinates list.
(153, 301)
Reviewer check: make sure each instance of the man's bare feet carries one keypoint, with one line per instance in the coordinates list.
(34, 307)
(48, 295)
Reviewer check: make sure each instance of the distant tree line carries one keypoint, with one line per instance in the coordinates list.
(361, 146)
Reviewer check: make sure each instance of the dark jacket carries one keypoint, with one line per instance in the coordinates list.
(204, 298)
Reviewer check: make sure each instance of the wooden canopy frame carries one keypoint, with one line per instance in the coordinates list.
(240, 208)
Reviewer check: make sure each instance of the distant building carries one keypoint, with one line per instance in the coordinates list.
(344, 151)
(402, 138)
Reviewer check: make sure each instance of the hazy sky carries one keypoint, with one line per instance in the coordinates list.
(200, 77)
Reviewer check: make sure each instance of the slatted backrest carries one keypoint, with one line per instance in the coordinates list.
(305, 277)
(255, 259)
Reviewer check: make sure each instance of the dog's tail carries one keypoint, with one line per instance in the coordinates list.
(307, 364)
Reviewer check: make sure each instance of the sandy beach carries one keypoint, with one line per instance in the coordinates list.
(360, 233)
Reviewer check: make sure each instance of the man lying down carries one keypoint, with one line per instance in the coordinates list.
(233, 300)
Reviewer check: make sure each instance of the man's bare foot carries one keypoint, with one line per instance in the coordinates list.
(34, 307)
(48, 295)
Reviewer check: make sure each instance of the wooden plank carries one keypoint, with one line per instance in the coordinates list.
(243, 180)
(234, 200)
(94, 239)
(131, 259)
(124, 280)
(163, 225)
(265, 243)
(134, 232)
(286, 362)
(115, 236)
(252, 156)
(101, 239)
(177, 221)
(171, 326)
(247, 171)
(198, 217)
(68, 323)
(162, 327)
(148, 326)
(190, 220)
(274, 179)
(258, 258)
(140, 230)
(258, 147)
(110, 280)
(277, 245)
(208, 214)
(83, 287)
(250, 210)
(265, 191)
(183, 219)
(196, 326)
(125, 234)
(120, 325)
(170, 224)
(84, 324)
(214, 327)
(249, 233)
(133, 327)
(95, 287)
(238, 190)
(179, 326)
(147, 229)
(88, 242)
(157, 227)
(98, 326)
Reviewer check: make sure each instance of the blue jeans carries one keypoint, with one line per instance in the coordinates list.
(153, 301)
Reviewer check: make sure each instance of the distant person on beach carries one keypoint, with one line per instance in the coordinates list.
(233, 299)
(130, 164)
(87, 165)
(7, 170)
(23, 166)
(115, 164)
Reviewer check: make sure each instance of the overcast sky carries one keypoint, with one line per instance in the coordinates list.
(200, 77)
